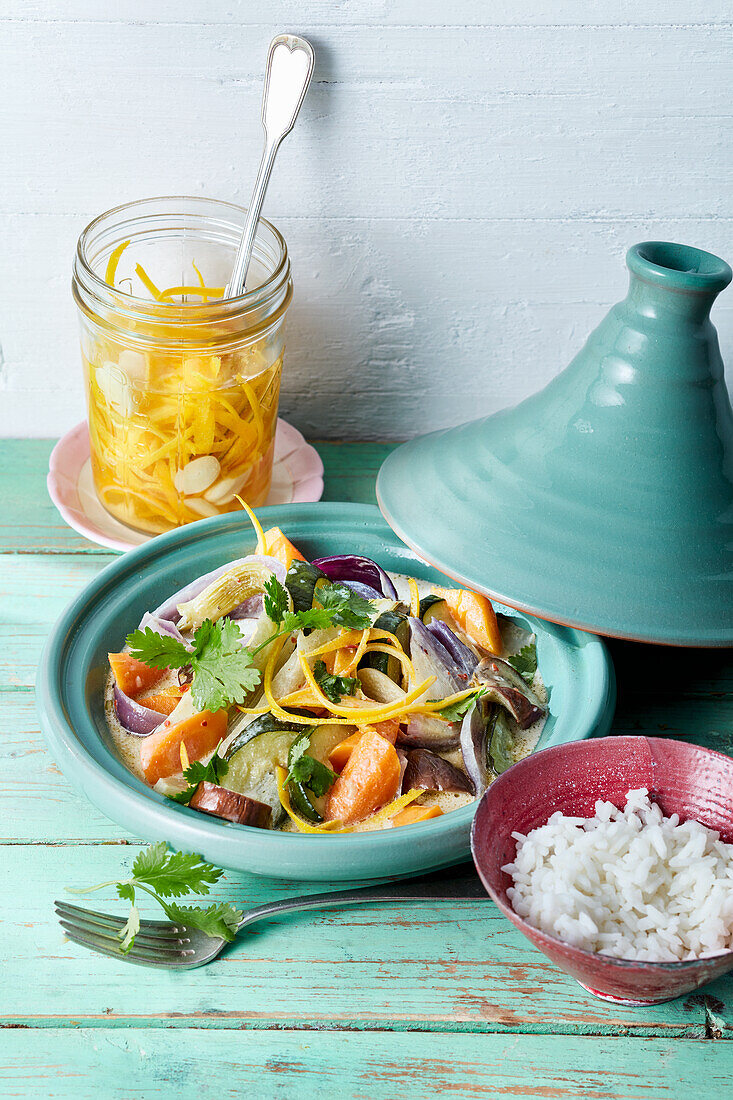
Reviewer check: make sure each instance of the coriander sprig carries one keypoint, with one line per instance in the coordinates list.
(222, 667)
(306, 769)
(332, 686)
(165, 875)
(212, 772)
(454, 712)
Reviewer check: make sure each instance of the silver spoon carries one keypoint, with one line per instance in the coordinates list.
(290, 62)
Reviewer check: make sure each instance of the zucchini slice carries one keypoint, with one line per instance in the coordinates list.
(253, 755)
(435, 607)
(301, 581)
(396, 623)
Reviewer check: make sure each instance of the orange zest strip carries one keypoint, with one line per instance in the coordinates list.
(261, 547)
(201, 291)
(414, 598)
(112, 262)
(147, 281)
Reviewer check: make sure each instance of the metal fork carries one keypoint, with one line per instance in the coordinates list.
(176, 947)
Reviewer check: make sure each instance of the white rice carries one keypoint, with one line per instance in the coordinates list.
(629, 883)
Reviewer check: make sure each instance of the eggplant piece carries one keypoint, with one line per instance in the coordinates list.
(426, 731)
(239, 808)
(474, 748)
(432, 773)
(431, 658)
(464, 657)
(135, 718)
(353, 567)
(506, 687)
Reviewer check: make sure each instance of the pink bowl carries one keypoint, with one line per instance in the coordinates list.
(682, 778)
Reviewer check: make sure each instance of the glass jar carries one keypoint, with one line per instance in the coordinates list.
(182, 389)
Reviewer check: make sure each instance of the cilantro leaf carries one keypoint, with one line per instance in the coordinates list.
(333, 687)
(306, 770)
(216, 920)
(172, 874)
(525, 662)
(315, 618)
(158, 650)
(454, 712)
(213, 772)
(276, 600)
(165, 875)
(222, 667)
(347, 608)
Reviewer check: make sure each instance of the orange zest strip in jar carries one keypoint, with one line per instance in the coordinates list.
(147, 281)
(113, 261)
(201, 291)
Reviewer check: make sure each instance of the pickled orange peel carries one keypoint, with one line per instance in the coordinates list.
(175, 434)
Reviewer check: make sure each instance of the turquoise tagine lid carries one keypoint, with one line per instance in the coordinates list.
(606, 500)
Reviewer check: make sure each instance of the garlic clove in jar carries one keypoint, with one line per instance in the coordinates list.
(226, 489)
(201, 507)
(115, 387)
(133, 364)
(197, 475)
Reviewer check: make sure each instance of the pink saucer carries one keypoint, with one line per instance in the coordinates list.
(297, 476)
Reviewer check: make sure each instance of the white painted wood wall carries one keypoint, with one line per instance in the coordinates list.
(457, 197)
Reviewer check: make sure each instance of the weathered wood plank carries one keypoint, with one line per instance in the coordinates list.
(425, 13)
(445, 964)
(218, 1064)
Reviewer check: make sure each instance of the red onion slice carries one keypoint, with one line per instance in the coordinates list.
(137, 719)
(353, 567)
(161, 626)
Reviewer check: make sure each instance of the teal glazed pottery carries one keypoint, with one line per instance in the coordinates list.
(574, 665)
(606, 500)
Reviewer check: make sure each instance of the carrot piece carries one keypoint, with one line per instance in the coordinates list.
(389, 729)
(131, 675)
(165, 702)
(371, 777)
(411, 815)
(338, 660)
(278, 546)
(476, 615)
(160, 751)
(340, 753)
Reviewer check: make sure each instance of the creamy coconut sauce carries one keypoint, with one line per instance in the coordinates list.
(127, 745)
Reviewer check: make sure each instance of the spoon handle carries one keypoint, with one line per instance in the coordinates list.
(288, 72)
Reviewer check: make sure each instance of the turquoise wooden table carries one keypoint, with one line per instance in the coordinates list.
(374, 1003)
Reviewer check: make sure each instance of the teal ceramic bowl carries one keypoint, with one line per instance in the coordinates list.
(575, 667)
